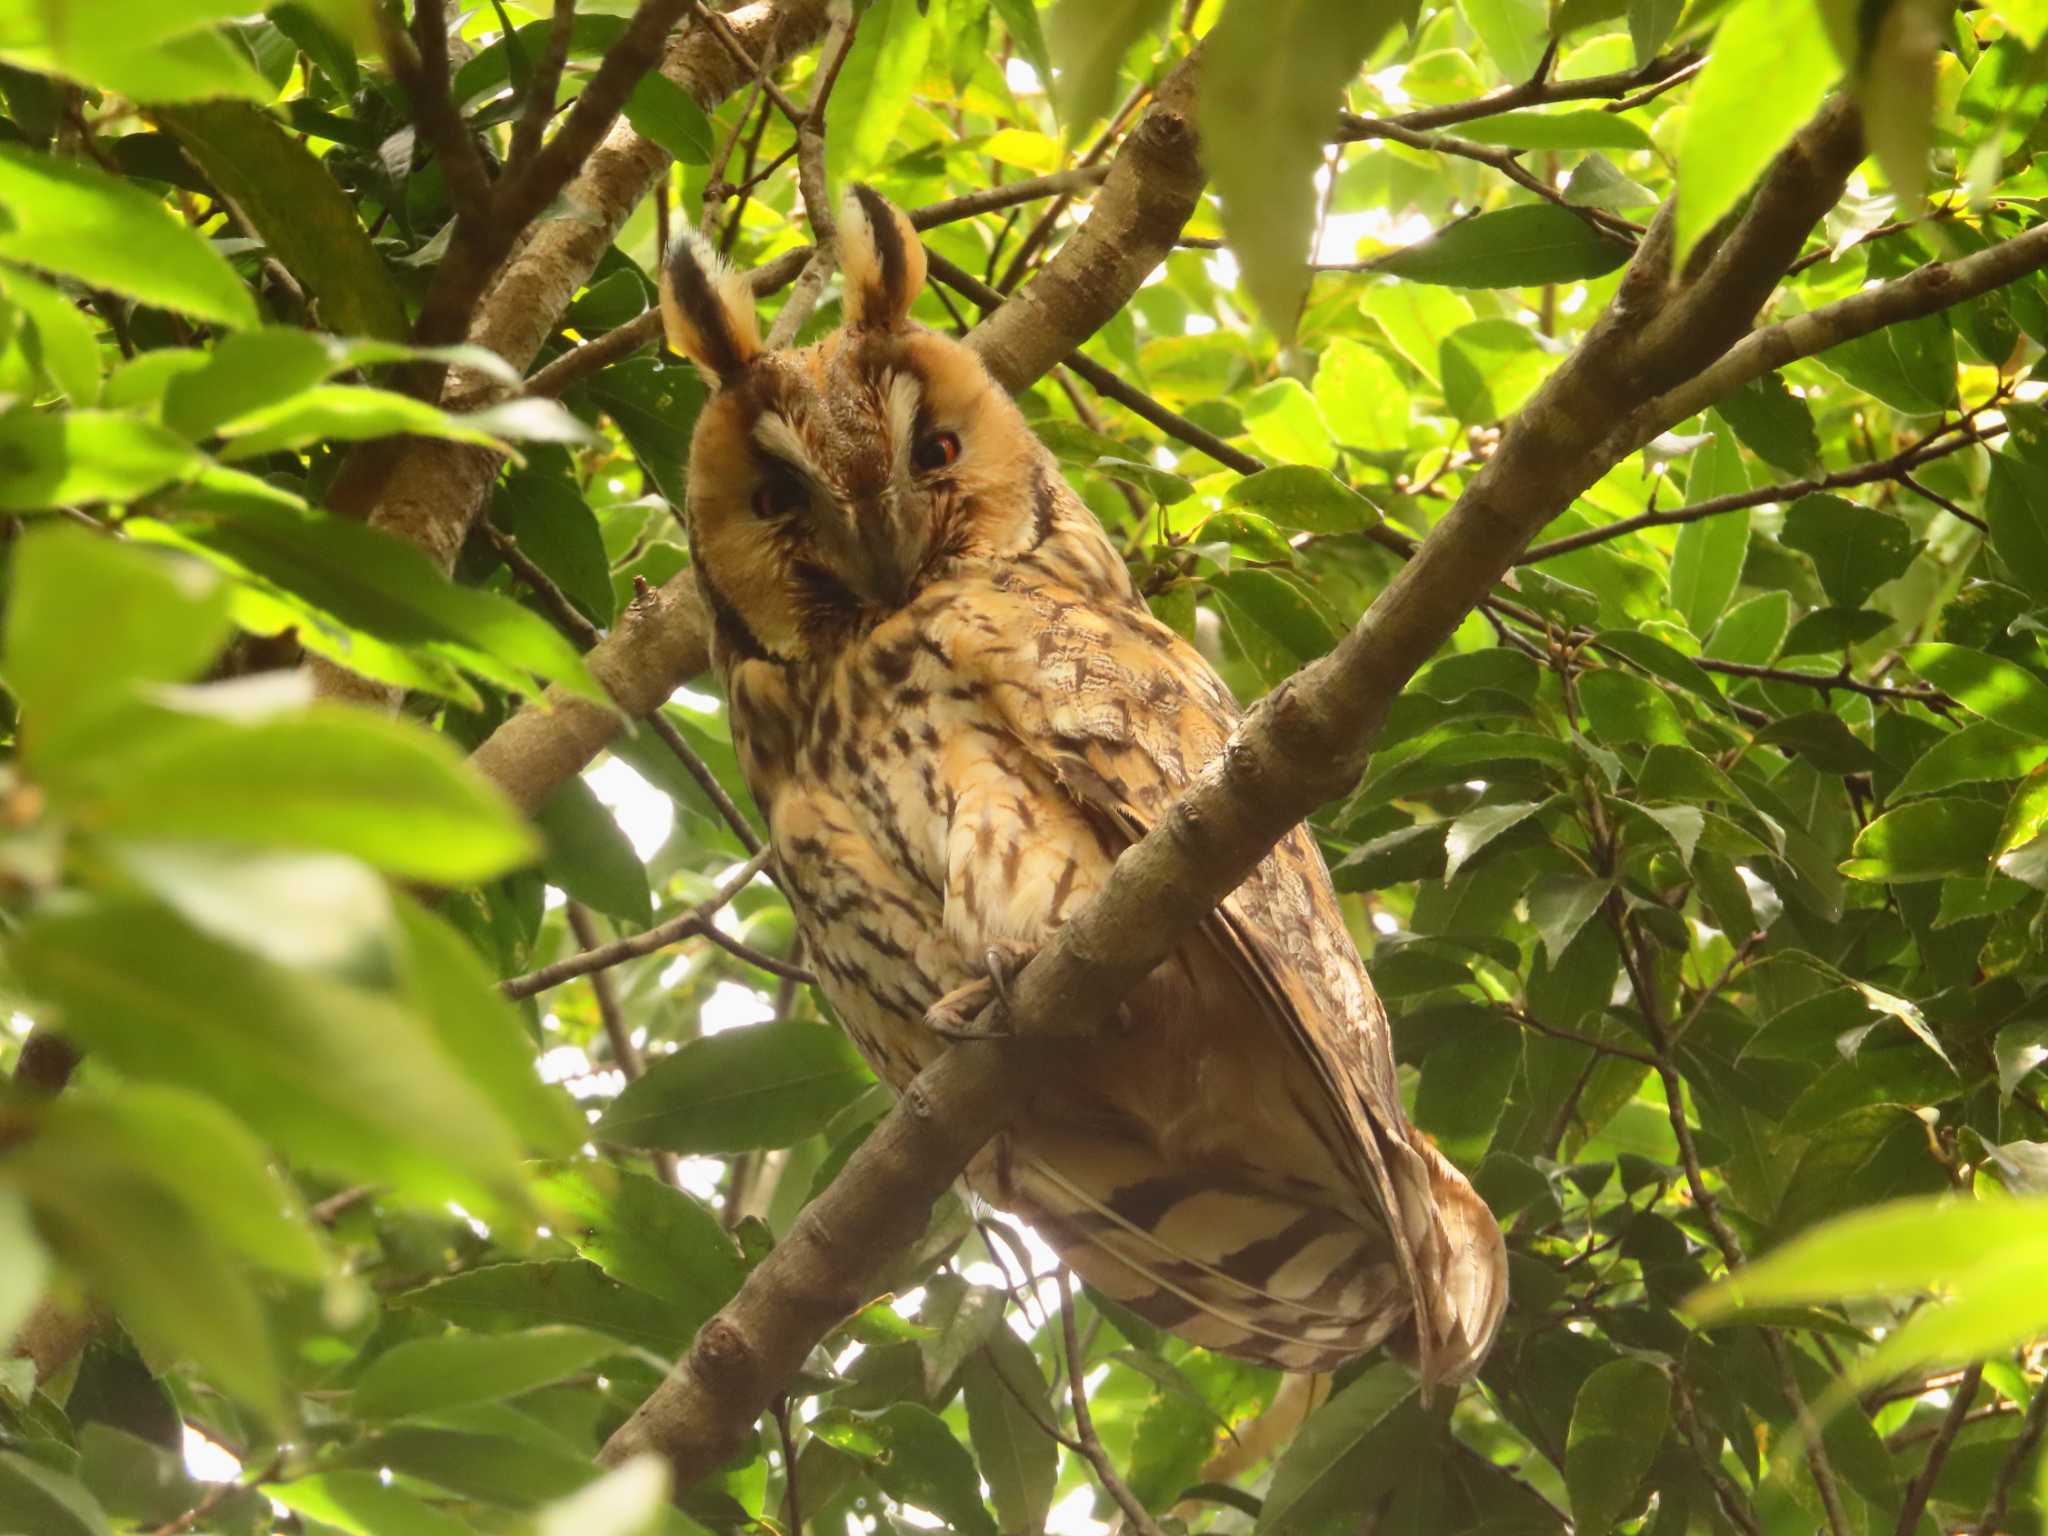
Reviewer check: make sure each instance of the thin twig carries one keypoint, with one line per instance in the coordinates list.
(1084, 1423)
(567, 616)
(1897, 467)
(1499, 158)
(2009, 1474)
(626, 1054)
(729, 40)
(760, 959)
(707, 781)
(1730, 1498)
(539, 105)
(1922, 1485)
(419, 62)
(216, 1496)
(792, 1499)
(1534, 93)
(1709, 1206)
(1558, 1032)
(604, 956)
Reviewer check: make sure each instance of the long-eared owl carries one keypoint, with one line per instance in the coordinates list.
(955, 712)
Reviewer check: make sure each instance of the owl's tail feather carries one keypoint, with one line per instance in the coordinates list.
(1236, 1263)
(1463, 1261)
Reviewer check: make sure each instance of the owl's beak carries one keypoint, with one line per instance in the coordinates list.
(887, 553)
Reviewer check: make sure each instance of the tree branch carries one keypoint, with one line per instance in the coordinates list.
(1922, 1485)
(1084, 1422)
(683, 926)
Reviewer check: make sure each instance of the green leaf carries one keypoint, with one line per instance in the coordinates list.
(1621, 707)
(1618, 1421)
(363, 1504)
(882, 68)
(456, 994)
(249, 371)
(70, 218)
(343, 413)
(2001, 691)
(1556, 130)
(429, 1376)
(1285, 423)
(1925, 840)
(34, 1498)
(1559, 906)
(1770, 67)
(1363, 399)
(630, 1500)
(656, 403)
(24, 1264)
(1273, 76)
(922, 1464)
(1773, 423)
(1910, 365)
(1165, 488)
(647, 1234)
(1305, 497)
(590, 858)
(204, 1158)
(292, 202)
(1706, 564)
(1314, 1482)
(66, 348)
(1465, 1083)
(1649, 25)
(1475, 829)
(2019, 1050)
(1855, 549)
(89, 621)
(1519, 247)
(1822, 739)
(491, 1468)
(1752, 630)
(78, 458)
(1489, 368)
(558, 532)
(1514, 32)
(335, 778)
(1006, 1404)
(2016, 507)
(1087, 41)
(664, 112)
(566, 1292)
(340, 1077)
(764, 1085)
(1980, 752)
(372, 581)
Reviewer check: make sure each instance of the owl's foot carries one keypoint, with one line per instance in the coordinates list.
(981, 1009)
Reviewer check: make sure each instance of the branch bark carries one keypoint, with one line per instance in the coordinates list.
(1303, 745)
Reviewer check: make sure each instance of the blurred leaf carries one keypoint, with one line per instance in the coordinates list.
(762, 1085)
(36, 1499)
(1272, 76)
(1769, 70)
(340, 1077)
(1087, 41)
(78, 458)
(1286, 423)
(363, 1504)
(629, 1500)
(427, 1376)
(70, 218)
(66, 347)
(873, 90)
(1556, 130)
(1519, 247)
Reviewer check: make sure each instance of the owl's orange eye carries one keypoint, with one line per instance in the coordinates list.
(779, 496)
(935, 452)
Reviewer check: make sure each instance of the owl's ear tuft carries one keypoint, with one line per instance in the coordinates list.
(883, 261)
(707, 309)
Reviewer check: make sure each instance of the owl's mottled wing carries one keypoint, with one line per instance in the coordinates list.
(1122, 713)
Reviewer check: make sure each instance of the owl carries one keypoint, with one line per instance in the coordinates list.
(955, 712)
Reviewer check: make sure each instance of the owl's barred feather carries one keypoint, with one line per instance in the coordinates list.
(955, 713)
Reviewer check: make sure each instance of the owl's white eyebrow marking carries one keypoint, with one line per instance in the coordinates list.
(774, 433)
(899, 405)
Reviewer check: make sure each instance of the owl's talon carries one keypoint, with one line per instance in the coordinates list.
(980, 1010)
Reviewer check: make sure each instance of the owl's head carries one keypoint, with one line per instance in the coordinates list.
(829, 483)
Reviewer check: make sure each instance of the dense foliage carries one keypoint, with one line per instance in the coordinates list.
(1703, 874)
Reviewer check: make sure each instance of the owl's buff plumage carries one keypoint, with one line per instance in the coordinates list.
(955, 712)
